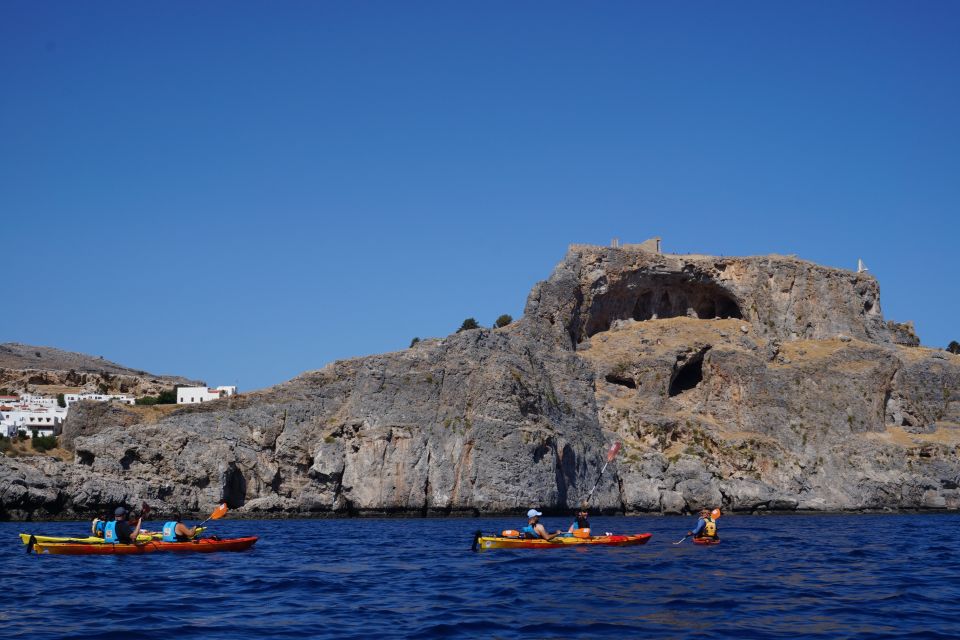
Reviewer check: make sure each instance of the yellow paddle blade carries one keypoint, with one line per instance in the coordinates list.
(715, 513)
(219, 512)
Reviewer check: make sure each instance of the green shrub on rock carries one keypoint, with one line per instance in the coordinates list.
(468, 324)
(43, 443)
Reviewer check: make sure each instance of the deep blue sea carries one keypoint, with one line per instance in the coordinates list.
(862, 576)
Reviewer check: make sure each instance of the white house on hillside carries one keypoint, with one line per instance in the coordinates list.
(194, 395)
(45, 420)
(70, 398)
(37, 401)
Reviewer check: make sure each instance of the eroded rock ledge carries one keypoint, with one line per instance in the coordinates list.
(761, 383)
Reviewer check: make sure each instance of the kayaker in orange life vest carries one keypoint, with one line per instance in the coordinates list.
(535, 529)
(706, 527)
(582, 521)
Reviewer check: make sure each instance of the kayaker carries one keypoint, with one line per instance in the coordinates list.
(535, 529)
(582, 521)
(176, 531)
(119, 530)
(98, 525)
(706, 527)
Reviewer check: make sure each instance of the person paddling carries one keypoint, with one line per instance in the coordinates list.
(176, 531)
(706, 527)
(535, 528)
(98, 525)
(582, 521)
(119, 530)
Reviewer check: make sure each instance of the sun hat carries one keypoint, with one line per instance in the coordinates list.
(533, 512)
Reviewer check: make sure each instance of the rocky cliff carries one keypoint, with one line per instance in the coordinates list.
(754, 383)
(47, 371)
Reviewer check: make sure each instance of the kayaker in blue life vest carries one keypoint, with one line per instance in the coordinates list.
(119, 530)
(582, 521)
(98, 525)
(706, 526)
(176, 531)
(535, 529)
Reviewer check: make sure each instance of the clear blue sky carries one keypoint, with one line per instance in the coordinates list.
(244, 191)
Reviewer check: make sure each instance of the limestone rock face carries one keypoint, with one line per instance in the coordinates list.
(475, 422)
(754, 384)
(779, 297)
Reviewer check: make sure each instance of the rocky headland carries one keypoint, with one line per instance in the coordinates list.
(756, 383)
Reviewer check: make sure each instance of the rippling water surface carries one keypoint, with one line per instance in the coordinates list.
(772, 577)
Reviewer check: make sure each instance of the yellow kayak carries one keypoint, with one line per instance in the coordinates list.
(143, 537)
(501, 542)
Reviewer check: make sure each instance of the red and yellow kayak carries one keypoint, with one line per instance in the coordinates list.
(500, 542)
(204, 545)
(143, 537)
(705, 541)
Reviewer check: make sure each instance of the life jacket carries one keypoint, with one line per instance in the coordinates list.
(170, 532)
(110, 532)
(530, 532)
(97, 527)
(709, 528)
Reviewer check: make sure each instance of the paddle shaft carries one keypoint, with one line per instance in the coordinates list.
(597, 483)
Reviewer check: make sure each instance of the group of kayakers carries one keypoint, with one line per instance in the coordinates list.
(125, 528)
(705, 529)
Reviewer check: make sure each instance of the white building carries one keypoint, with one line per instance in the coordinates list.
(70, 398)
(37, 401)
(194, 395)
(45, 420)
(9, 415)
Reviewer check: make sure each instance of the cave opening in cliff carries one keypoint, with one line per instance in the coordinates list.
(233, 487)
(623, 381)
(688, 376)
(692, 300)
(658, 297)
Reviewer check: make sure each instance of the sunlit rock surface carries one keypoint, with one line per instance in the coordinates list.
(760, 383)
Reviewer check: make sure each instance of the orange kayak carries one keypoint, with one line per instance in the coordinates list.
(204, 545)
